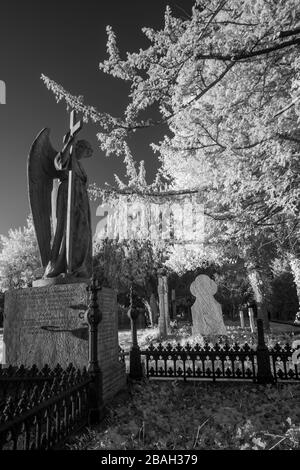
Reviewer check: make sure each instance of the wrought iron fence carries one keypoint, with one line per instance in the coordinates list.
(282, 365)
(45, 410)
(217, 363)
(220, 362)
(15, 380)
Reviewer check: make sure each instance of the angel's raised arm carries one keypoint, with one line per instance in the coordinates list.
(62, 159)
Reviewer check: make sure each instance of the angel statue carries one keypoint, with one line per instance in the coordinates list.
(60, 206)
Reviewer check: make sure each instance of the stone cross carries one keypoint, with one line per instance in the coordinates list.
(75, 127)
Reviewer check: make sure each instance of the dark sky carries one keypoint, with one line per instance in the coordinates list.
(65, 40)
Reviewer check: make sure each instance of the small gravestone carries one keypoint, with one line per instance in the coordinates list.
(251, 319)
(206, 311)
(242, 320)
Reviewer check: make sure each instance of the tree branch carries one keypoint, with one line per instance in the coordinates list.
(246, 55)
(288, 32)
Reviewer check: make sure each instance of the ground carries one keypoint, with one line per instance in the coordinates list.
(202, 415)
(280, 333)
(174, 415)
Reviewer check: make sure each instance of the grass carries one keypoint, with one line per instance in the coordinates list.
(199, 416)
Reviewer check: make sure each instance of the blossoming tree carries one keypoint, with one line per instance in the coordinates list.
(225, 81)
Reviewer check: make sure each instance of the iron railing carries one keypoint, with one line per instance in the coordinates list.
(258, 364)
(282, 365)
(15, 380)
(217, 363)
(45, 410)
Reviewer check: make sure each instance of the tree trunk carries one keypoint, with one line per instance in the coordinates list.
(259, 288)
(164, 319)
(295, 268)
(153, 309)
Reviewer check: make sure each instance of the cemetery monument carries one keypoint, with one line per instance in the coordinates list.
(206, 311)
(45, 324)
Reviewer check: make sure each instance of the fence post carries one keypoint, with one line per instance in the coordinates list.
(135, 365)
(264, 374)
(94, 317)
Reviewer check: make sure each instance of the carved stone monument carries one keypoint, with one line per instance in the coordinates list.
(45, 324)
(60, 206)
(206, 311)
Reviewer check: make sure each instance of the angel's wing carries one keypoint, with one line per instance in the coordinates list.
(41, 172)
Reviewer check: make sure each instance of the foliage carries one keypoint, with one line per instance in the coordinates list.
(119, 263)
(284, 300)
(19, 257)
(213, 416)
(233, 290)
(226, 81)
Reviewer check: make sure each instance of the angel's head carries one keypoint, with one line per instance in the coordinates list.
(83, 149)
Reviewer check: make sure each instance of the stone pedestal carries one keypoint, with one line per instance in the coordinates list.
(45, 325)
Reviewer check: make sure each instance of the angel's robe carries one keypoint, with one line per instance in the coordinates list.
(82, 232)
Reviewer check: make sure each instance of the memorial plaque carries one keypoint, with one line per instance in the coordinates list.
(46, 325)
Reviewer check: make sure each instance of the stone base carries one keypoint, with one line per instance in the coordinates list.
(53, 281)
(45, 325)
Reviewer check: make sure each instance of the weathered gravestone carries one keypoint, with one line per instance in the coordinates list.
(46, 325)
(206, 311)
(242, 320)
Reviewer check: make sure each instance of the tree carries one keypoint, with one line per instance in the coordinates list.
(19, 257)
(1, 308)
(122, 264)
(225, 81)
(284, 298)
